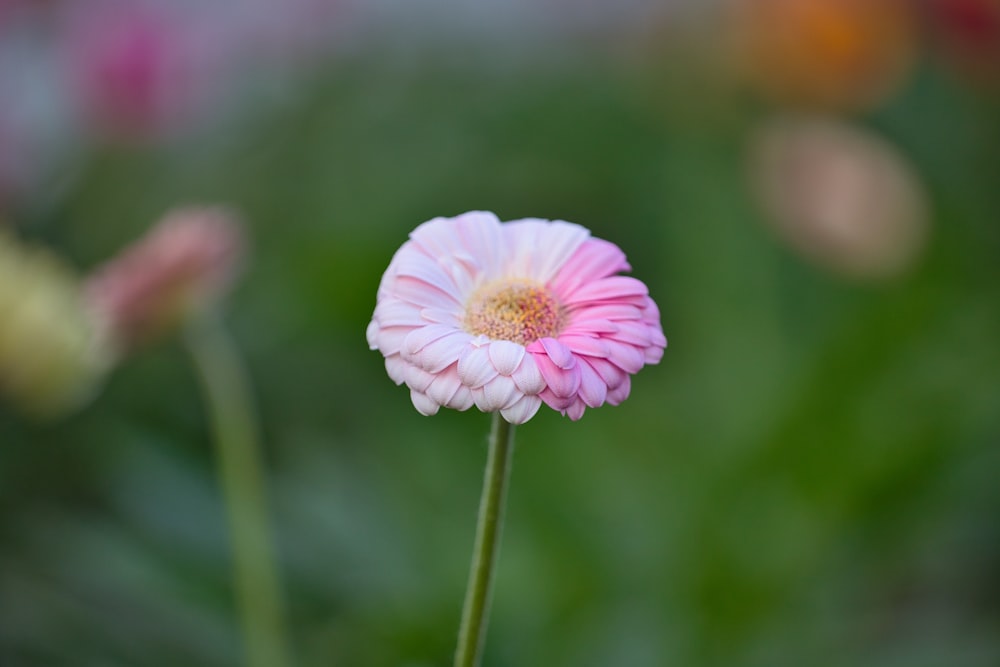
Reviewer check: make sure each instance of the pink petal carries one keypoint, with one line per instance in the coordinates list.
(593, 389)
(633, 333)
(653, 354)
(611, 289)
(461, 271)
(591, 346)
(561, 382)
(657, 337)
(559, 403)
(611, 374)
(481, 233)
(423, 404)
(593, 260)
(620, 393)
(371, 335)
(651, 312)
(575, 411)
(560, 355)
(438, 236)
(610, 311)
(626, 357)
(475, 368)
(439, 316)
(414, 268)
(506, 356)
(586, 325)
(522, 410)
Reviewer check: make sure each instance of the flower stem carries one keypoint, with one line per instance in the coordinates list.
(475, 612)
(226, 392)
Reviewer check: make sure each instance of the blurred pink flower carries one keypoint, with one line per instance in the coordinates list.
(504, 316)
(140, 72)
(184, 264)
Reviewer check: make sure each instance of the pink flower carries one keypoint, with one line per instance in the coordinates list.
(505, 316)
(138, 71)
(184, 264)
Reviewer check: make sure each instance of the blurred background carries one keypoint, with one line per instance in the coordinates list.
(811, 189)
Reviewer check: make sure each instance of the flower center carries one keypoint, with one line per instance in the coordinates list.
(519, 312)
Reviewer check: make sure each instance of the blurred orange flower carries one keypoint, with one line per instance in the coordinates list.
(830, 54)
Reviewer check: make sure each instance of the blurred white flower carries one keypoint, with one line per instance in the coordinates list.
(839, 195)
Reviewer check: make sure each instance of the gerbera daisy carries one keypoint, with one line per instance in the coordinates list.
(506, 316)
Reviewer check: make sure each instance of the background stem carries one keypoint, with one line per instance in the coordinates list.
(238, 456)
(475, 612)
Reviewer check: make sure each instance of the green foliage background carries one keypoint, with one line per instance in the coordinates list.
(808, 478)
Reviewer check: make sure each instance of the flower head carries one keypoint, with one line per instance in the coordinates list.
(506, 316)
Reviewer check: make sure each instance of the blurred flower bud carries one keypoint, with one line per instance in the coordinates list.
(53, 353)
(184, 264)
(829, 54)
(840, 196)
(967, 35)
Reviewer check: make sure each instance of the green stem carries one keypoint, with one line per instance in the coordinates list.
(226, 391)
(475, 612)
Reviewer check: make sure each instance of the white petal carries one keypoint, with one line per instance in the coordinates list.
(417, 292)
(389, 340)
(443, 352)
(426, 272)
(541, 247)
(396, 367)
(371, 334)
(417, 378)
(444, 386)
(481, 233)
(506, 356)
(527, 377)
(475, 368)
(393, 312)
(500, 393)
(522, 410)
(422, 336)
(462, 400)
(441, 316)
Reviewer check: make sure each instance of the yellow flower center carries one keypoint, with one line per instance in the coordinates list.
(518, 312)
